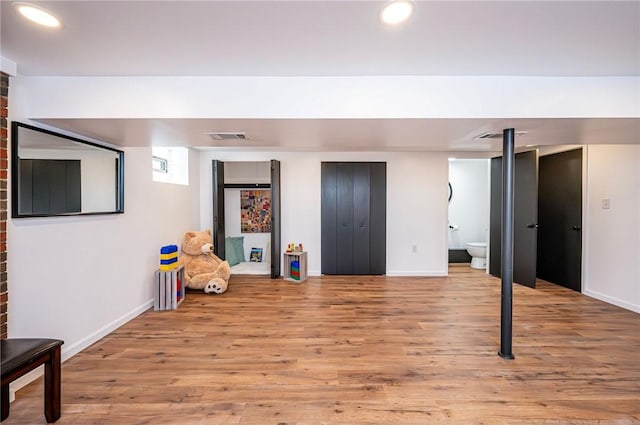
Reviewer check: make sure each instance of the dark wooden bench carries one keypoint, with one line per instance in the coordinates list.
(20, 356)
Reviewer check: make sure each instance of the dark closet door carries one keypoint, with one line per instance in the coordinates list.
(344, 243)
(525, 218)
(328, 217)
(218, 208)
(50, 186)
(560, 218)
(361, 218)
(275, 219)
(353, 216)
(25, 194)
(378, 218)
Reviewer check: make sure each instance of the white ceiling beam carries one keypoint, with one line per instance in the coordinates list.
(330, 97)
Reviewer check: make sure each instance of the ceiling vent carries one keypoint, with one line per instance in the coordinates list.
(228, 136)
(489, 135)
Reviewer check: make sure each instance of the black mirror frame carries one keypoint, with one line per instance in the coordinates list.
(15, 125)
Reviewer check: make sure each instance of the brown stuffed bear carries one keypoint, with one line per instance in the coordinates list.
(202, 268)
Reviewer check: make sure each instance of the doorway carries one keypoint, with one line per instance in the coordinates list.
(468, 212)
(259, 183)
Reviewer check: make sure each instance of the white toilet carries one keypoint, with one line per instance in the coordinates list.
(478, 253)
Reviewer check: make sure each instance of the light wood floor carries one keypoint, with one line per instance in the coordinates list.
(358, 350)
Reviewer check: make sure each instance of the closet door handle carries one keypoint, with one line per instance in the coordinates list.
(532, 226)
(576, 228)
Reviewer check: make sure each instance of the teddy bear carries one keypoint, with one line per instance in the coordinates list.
(202, 268)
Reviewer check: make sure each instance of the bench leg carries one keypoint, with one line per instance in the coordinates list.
(5, 402)
(52, 390)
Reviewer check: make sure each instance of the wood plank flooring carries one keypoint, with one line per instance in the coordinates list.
(358, 350)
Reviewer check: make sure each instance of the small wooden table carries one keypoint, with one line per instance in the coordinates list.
(301, 258)
(19, 356)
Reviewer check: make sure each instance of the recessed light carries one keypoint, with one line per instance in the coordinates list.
(37, 15)
(397, 12)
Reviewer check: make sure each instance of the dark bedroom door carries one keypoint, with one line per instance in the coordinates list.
(560, 218)
(353, 218)
(525, 216)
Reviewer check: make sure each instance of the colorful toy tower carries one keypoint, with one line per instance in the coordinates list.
(168, 257)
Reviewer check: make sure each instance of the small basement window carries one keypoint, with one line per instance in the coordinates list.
(170, 165)
(160, 165)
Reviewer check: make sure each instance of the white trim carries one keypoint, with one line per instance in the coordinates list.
(416, 273)
(421, 273)
(72, 350)
(8, 66)
(584, 284)
(612, 300)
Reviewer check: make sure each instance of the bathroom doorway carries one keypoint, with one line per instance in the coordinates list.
(468, 212)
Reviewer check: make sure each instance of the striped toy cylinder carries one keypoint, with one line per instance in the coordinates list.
(168, 257)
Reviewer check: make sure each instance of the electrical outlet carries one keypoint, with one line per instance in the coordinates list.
(606, 204)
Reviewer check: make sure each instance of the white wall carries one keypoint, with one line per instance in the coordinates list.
(98, 189)
(416, 204)
(469, 205)
(247, 172)
(612, 255)
(71, 277)
(79, 277)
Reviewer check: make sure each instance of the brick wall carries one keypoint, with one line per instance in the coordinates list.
(4, 167)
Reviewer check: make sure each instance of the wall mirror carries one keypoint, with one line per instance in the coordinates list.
(53, 174)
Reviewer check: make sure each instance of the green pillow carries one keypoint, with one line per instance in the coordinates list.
(238, 246)
(230, 252)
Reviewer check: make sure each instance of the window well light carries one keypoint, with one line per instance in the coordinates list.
(37, 15)
(397, 12)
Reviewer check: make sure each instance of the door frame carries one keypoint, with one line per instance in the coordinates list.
(217, 208)
(218, 211)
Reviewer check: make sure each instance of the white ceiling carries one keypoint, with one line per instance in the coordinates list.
(334, 38)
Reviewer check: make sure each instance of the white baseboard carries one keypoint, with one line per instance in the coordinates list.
(394, 273)
(72, 350)
(612, 300)
(418, 273)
